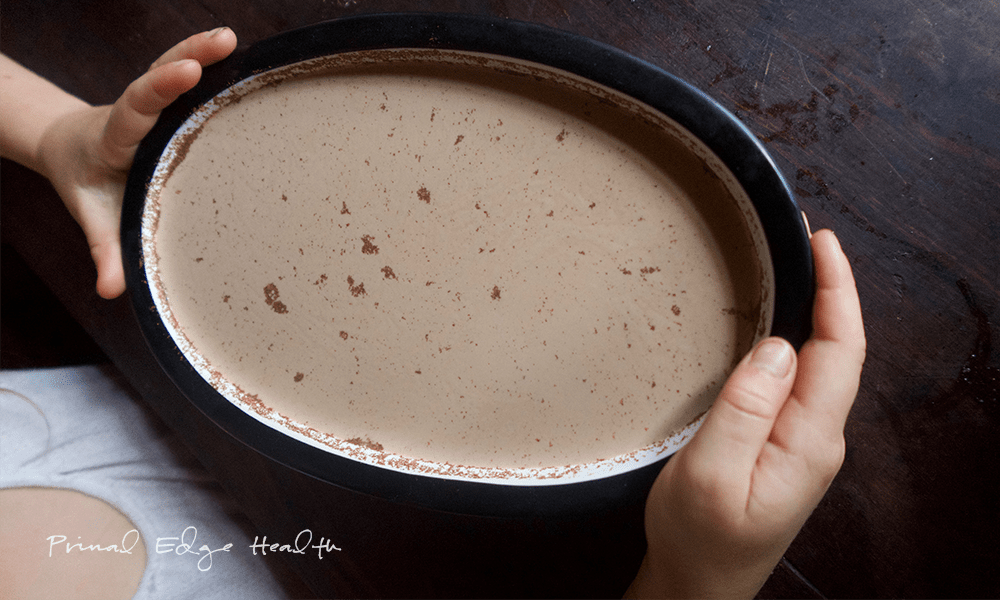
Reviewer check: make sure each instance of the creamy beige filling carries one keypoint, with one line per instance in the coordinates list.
(467, 268)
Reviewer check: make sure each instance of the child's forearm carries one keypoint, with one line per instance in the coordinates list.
(28, 106)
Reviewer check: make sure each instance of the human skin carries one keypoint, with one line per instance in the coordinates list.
(726, 507)
(61, 543)
(86, 151)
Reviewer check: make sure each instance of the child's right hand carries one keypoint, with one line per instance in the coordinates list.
(726, 507)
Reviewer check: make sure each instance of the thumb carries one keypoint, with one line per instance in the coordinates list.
(740, 422)
(110, 273)
(99, 215)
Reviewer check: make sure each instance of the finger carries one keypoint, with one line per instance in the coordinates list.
(110, 272)
(830, 362)
(740, 422)
(155, 90)
(176, 72)
(207, 48)
(136, 111)
(811, 427)
(99, 217)
(837, 316)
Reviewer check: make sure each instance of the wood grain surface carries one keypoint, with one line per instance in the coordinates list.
(883, 115)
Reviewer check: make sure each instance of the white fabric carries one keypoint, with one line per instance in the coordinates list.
(83, 428)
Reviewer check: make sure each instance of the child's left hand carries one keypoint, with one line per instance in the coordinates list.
(86, 151)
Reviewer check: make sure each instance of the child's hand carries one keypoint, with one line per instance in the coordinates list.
(726, 507)
(86, 153)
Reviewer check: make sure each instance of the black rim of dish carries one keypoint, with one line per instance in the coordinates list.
(732, 142)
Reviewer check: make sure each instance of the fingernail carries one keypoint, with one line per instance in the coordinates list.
(215, 32)
(837, 240)
(774, 357)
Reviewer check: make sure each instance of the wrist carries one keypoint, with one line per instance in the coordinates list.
(31, 106)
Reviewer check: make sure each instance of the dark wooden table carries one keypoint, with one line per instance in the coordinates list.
(884, 116)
